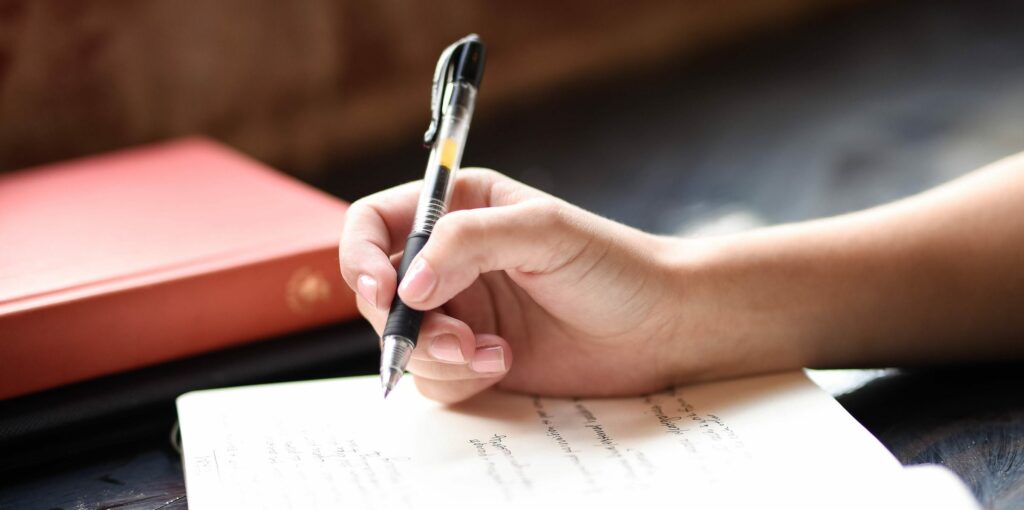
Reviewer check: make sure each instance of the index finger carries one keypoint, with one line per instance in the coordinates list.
(374, 225)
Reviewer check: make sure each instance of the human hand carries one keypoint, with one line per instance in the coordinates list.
(583, 305)
(589, 307)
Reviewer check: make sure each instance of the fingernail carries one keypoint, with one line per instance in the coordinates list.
(488, 360)
(446, 348)
(367, 288)
(419, 280)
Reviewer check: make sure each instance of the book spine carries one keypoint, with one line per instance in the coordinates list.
(69, 342)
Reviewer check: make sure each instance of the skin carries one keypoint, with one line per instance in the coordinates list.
(529, 293)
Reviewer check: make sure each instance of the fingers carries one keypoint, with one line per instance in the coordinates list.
(448, 350)
(373, 228)
(455, 383)
(450, 362)
(490, 358)
(376, 226)
(536, 236)
(442, 338)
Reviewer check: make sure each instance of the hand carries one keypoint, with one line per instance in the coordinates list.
(585, 306)
(523, 290)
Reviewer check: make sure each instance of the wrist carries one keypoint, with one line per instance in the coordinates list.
(737, 306)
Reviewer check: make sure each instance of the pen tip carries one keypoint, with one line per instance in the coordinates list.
(389, 379)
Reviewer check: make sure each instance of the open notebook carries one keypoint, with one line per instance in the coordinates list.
(767, 441)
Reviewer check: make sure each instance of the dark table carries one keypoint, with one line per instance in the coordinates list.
(848, 110)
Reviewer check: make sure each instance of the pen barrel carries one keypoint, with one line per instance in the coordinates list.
(438, 184)
(445, 157)
(404, 321)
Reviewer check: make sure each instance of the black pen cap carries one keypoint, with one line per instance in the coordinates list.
(469, 62)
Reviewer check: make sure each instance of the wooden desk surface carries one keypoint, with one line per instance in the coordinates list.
(843, 114)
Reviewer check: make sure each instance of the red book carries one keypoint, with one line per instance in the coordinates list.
(123, 260)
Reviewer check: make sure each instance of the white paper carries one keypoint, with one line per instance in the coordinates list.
(337, 444)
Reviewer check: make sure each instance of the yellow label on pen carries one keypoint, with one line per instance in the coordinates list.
(449, 148)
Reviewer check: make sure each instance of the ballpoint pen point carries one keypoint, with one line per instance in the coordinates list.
(389, 379)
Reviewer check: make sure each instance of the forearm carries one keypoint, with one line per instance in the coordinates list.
(935, 278)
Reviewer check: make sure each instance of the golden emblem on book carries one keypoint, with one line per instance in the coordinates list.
(306, 288)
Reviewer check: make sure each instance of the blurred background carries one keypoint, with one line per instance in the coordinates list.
(692, 117)
(674, 116)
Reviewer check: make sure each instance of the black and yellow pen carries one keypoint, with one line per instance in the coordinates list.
(456, 81)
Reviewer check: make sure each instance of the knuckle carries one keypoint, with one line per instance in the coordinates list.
(456, 227)
(507, 191)
(356, 210)
(350, 234)
(548, 212)
(483, 173)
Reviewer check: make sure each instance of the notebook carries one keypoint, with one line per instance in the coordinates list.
(774, 440)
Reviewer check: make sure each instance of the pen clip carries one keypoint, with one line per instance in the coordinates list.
(442, 78)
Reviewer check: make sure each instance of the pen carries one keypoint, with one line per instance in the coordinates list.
(456, 80)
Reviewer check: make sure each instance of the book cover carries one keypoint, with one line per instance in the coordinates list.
(124, 260)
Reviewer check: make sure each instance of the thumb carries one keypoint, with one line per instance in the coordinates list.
(535, 236)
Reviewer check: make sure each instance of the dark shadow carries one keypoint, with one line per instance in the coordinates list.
(970, 420)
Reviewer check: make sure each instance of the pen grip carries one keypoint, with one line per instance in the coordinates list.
(404, 321)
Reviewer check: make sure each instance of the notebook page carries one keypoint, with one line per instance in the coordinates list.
(337, 444)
